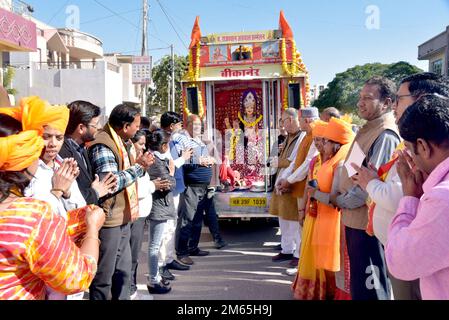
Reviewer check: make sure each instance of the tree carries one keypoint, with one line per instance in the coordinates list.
(343, 92)
(7, 80)
(158, 95)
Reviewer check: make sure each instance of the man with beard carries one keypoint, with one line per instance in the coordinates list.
(82, 128)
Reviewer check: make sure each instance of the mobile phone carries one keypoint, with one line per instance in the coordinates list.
(313, 183)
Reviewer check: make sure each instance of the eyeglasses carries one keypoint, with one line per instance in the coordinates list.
(96, 126)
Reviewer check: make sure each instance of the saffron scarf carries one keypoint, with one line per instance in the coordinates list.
(383, 174)
(131, 190)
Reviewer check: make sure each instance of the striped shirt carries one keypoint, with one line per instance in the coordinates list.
(103, 161)
(35, 251)
(194, 173)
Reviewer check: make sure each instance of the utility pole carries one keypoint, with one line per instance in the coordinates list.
(173, 90)
(168, 95)
(144, 54)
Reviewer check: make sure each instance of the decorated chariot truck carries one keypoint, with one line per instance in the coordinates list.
(239, 84)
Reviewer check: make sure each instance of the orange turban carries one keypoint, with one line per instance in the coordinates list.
(339, 131)
(19, 151)
(35, 113)
(318, 128)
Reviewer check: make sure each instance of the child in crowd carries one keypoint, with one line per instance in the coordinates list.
(163, 206)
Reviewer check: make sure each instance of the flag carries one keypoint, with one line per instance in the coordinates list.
(196, 33)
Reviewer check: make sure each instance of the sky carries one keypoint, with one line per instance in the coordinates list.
(331, 35)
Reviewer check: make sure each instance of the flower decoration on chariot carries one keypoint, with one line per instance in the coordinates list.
(243, 49)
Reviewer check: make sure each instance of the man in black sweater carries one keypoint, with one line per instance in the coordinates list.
(82, 128)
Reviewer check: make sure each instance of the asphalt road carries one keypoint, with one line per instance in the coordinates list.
(241, 271)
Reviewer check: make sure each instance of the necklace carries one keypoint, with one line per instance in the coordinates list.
(234, 139)
(249, 124)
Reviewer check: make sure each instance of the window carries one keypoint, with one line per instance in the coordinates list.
(437, 66)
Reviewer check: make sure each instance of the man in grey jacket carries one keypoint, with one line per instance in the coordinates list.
(378, 139)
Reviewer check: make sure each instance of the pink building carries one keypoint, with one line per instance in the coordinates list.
(17, 31)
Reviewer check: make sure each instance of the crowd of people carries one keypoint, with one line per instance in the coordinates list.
(75, 197)
(379, 232)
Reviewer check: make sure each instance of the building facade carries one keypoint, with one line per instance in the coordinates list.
(436, 51)
(69, 65)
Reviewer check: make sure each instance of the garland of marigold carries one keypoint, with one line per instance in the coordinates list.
(250, 124)
(193, 75)
(233, 147)
(292, 70)
(194, 68)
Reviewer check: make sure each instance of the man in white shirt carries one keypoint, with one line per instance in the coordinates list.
(292, 180)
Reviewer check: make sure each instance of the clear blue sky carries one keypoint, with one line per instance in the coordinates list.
(331, 34)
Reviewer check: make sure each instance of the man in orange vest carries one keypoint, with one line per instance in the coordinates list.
(293, 180)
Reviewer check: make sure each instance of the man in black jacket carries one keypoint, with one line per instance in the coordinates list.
(82, 128)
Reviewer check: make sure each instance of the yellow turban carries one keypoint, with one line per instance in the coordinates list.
(35, 113)
(19, 151)
(339, 131)
(318, 128)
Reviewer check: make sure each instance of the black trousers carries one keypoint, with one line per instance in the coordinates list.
(210, 217)
(190, 220)
(368, 269)
(114, 265)
(137, 231)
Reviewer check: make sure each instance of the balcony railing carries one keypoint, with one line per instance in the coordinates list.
(78, 65)
(22, 8)
(69, 37)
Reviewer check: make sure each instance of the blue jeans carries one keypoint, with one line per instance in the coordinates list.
(156, 230)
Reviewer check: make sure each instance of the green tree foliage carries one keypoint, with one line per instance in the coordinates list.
(343, 92)
(7, 80)
(158, 95)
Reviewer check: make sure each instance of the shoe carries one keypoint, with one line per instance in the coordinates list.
(199, 253)
(165, 282)
(158, 288)
(134, 296)
(278, 247)
(294, 262)
(282, 257)
(175, 265)
(220, 243)
(166, 274)
(291, 272)
(186, 260)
